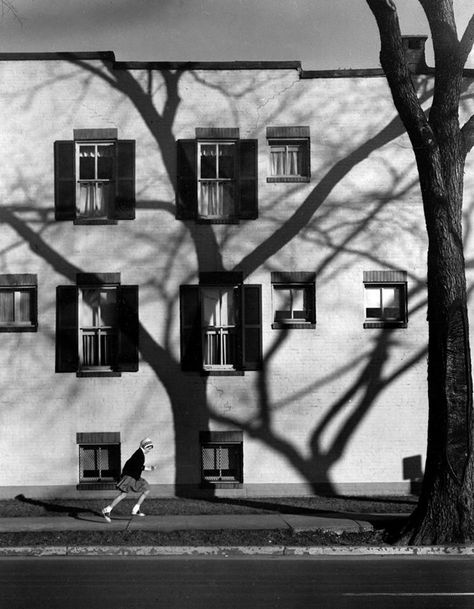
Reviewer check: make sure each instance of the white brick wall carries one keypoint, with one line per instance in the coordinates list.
(318, 414)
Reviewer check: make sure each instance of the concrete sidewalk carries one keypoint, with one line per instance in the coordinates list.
(333, 522)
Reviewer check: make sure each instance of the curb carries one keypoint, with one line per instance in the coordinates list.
(229, 551)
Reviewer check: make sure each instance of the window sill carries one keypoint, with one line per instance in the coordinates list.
(96, 221)
(217, 220)
(97, 373)
(293, 326)
(18, 328)
(96, 486)
(206, 484)
(385, 324)
(288, 179)
(222, 373)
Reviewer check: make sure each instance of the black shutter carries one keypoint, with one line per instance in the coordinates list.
(125, 197)
(127, 357)
(186, 186)
(190, 312)
(64, 180)
(252, 326)
(248, 179)
(67, 359)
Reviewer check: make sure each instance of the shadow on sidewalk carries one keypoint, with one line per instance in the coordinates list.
(72, 512)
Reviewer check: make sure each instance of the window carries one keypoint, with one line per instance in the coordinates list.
(289, 154)
(18, 303)
(217, 177)
(99, 460)
(97, 326)
(221, 458)
(293, 300)
(95, 177)
(221, 325)
(385, 299)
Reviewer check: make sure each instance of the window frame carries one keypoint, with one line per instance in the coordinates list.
(99, 441)
(99, 329)
(285, 137)
(217, 441)
(303, 280)
(88, 219)
(234, 181)
(380, 280)
(15, 284)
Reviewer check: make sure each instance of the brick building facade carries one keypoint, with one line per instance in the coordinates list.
(228, 258)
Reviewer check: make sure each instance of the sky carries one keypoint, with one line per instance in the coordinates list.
(322, 34)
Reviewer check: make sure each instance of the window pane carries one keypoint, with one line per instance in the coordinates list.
(7, 306)
(94, 199)
(282, 303)
(208, 161)
(87, 162)
(89, 462)
(108, 308)
(24, 306)
(391, 303)
(105, 162)
(226, 160)
(89, 313)
(373, 303)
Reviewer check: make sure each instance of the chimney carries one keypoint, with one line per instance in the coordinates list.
(414, 47)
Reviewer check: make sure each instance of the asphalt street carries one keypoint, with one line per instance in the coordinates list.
(253, 582)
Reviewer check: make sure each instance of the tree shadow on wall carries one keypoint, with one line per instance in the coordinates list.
(188, 392)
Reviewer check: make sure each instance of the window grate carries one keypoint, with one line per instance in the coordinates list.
(222, 462)
(99, 463)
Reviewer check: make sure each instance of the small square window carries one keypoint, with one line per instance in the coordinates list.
(222, 458)
(293, 300)
(99, 459)
(385, 301)
(18, 303)
(289, 159)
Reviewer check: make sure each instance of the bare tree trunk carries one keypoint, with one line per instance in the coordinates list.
(445, 512)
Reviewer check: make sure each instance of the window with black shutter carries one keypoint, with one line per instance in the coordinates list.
(97, 326)
(221, 325)
(94, 177)
(217, 177)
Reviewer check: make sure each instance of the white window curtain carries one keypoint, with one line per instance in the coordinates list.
(286, 160)
(7, 306)
(216, 180)
(95, 186)
(93, 199)
(15, 306)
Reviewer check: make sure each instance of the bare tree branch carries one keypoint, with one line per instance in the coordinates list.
(467, 133)
(393, 61)
(467, 41)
